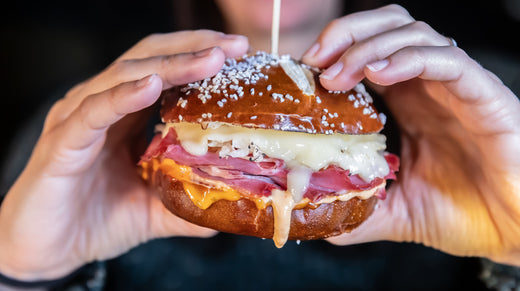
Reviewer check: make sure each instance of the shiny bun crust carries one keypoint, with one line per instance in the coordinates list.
(243, 217)
(277, 93)
(256, 91)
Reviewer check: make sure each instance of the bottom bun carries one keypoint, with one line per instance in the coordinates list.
(243, 217)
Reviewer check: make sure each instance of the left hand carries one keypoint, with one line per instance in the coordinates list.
(80, 198)
(457, 189)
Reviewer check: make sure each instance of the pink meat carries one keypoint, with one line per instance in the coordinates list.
(260, 178)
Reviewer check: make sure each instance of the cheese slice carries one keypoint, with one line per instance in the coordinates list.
(359, 154)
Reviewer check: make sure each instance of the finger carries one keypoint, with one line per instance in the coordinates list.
(187, 41)
(390, 221)
(173, 70)
(164, 224)
(348, 71)
(88, 124)
(474, 95)
(446, 64)
(192, 54)
(343, 32)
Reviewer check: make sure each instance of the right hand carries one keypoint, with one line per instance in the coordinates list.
(80, 199)
(458, 186)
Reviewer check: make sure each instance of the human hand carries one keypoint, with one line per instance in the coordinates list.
(80, 197)
(458, 189)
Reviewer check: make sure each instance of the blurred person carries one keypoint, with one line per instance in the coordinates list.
(78, 199)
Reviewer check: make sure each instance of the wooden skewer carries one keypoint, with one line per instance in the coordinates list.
(275, 28)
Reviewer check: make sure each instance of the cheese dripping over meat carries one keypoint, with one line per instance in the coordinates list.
(302, 153)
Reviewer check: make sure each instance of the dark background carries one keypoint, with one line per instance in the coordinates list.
(48, 46)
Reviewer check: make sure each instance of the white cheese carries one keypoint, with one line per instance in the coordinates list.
(360, 154)
(283, 203)
(303, 153)
(298, 180)
(300, 75)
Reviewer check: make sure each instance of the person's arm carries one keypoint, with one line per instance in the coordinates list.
(458, 189)
(80, 199)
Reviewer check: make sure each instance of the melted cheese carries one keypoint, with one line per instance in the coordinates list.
(203, 196)
(202, 192)
(359, 154)
(282, 202)
(302, 153)
(298, 180)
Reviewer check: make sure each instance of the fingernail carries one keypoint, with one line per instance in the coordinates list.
(311, 52)
(145, 81)
(378, 66)
(205, 52)
(332, 71)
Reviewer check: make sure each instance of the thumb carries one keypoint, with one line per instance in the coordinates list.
(388, 222)
(163, 223)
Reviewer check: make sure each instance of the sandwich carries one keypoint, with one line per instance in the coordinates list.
(262, 149)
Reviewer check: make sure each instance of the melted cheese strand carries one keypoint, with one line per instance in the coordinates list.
(298, 180)
(283, 204)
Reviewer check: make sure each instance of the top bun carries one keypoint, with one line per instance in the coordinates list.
(272, 92)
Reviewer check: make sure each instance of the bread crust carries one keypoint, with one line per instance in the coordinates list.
(244, 218)
(274, 102)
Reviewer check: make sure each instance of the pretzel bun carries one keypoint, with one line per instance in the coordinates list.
(262, 149)
(269, 98)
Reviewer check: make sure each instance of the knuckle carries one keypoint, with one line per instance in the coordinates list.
(150, 39)
(402, 15)
(415, 53)
(57, 107)
(166, 63)
(55, 115)
(143, 46)
(421, 26)
(112, 100)
(84, 107)
(411, 54)
(118, 69)
(84, 112)
(208, 38)
(397, 9)
(75, 90)
(336, 23)
(423, 31)
(459, 54)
